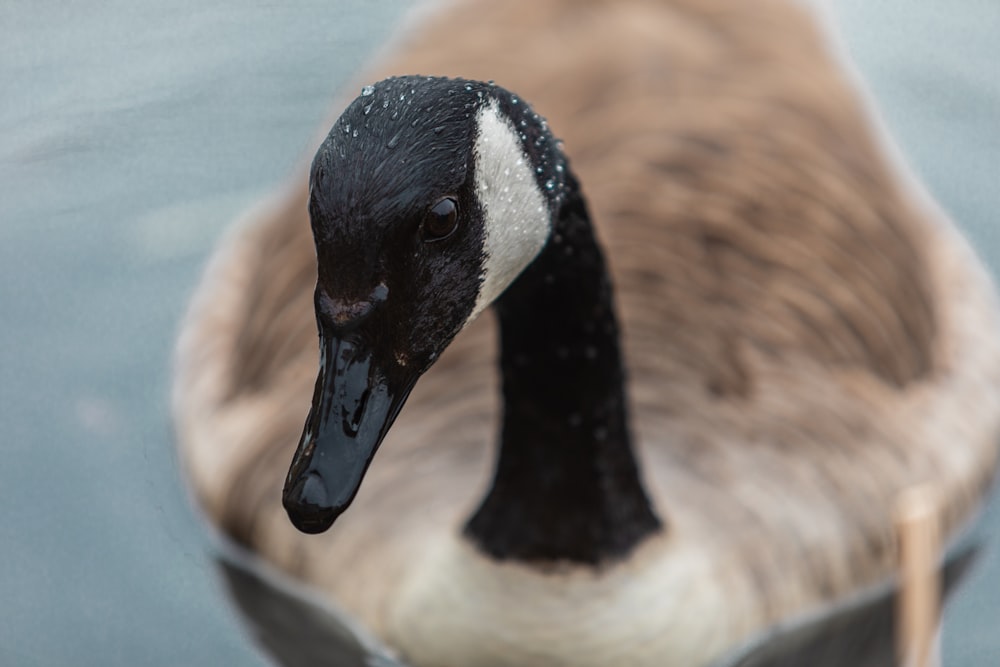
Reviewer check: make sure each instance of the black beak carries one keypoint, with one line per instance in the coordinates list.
(355, 402)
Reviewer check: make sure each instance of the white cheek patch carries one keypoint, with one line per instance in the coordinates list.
(516, 215)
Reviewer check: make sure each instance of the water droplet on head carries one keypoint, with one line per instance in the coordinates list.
(367, 90)
(550, 184)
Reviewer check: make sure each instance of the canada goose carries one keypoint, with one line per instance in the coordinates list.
(803, 335)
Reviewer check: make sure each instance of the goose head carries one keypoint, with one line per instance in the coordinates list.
(427, 199)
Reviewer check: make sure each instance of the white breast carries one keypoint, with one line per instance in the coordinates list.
(458, 608)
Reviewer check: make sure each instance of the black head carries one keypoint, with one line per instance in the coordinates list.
(427, 199)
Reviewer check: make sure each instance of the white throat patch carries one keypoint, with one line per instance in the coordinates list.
(516, 215)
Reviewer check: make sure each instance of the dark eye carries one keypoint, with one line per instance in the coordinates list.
(441, 220)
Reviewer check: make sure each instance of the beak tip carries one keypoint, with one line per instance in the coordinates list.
(307, 505)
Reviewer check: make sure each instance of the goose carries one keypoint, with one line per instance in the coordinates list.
(622, 358)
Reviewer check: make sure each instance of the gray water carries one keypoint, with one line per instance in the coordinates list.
(131, 133)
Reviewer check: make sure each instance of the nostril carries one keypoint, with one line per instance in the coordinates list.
(352, 419)
(307, 504)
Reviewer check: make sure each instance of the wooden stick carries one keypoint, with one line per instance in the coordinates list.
(918, 612)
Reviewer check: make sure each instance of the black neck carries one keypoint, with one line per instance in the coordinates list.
(566, 485)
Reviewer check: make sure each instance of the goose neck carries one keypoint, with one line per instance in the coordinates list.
(566, 484)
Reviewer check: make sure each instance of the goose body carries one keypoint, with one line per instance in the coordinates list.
(802, 336)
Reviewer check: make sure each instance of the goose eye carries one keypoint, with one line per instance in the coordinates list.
(441, 220)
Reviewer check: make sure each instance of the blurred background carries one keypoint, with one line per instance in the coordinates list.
(131, 134)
